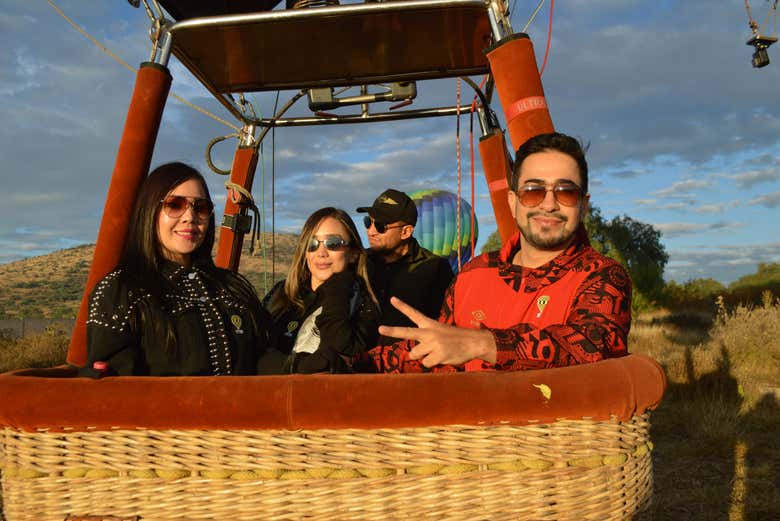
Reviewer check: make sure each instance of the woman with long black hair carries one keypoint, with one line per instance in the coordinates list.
(167, 309)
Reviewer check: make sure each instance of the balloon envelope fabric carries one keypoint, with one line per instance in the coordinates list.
(437, 225)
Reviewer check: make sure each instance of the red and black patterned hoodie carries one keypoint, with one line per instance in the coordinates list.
(575, 309)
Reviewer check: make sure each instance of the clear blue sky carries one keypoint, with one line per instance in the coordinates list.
(684, 134)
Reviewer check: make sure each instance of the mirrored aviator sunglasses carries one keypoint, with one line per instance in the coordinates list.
(331, 243)
(175, 205)
(567, 194)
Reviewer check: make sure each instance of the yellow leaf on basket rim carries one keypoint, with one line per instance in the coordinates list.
(544, 389)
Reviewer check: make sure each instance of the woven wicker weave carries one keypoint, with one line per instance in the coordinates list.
(570, 469)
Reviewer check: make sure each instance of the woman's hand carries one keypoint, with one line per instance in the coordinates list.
(339, 284)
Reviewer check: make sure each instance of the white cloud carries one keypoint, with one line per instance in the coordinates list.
(769, 200)
(723, 262)
(676, 206)
(714, 209)
(684, 188)
(630, 174)
(39, 198)
(646, 202)
(655, 204)
(677, 229)
(754, 177)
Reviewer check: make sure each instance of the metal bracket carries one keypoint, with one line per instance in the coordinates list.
(323, 98)
(247, 136)
(499, 24)
(238, 223)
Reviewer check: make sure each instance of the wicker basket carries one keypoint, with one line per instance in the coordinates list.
(566, 469)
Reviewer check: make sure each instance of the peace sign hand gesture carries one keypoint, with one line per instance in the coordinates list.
(441, 343)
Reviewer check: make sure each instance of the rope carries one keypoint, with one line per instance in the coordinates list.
(232, 188)
(751, 22)
(204, 112)
(273, 194)
(273, 207)
(533, 15)
(214, 168)
(471, 159)
(457, 152)
(261, 227)
(90, 38)
(754, 25)
(249, 202)
(157, 29)
(772, 13)
(262, 214)
(549, 38)
(256, 240)
(133, 69)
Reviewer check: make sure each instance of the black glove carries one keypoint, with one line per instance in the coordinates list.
(336, 292)
(338, 284)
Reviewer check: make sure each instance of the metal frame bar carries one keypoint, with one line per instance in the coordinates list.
(226, 99)
(291, 14)
(360, 118)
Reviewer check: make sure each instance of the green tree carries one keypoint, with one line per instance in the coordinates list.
(492, 243)
(598, 233)
(768, 273)
(704, 288)
(640, 245)
(637, 246)
(751, 288)
(696, 292)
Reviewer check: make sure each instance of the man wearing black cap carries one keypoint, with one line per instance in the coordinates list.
(546, 299)
(399, 266)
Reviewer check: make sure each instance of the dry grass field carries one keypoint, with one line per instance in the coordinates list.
(50, 286)
(716, 451)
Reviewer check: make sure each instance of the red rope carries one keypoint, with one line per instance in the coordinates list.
(457, 150)
(471, 154)
(549, 38)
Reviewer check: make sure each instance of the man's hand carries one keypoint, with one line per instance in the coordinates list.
(440, 343)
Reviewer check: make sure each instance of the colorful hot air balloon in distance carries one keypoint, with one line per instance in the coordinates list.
(437, 225)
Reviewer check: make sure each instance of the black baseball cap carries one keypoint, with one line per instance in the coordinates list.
(391, 206)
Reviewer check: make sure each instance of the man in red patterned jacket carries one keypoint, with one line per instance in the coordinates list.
(546, 299)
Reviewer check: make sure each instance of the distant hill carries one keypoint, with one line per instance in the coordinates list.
(51, 285)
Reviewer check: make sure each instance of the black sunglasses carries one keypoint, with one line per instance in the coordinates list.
(331, 243)
(175, 205)
(380, 227)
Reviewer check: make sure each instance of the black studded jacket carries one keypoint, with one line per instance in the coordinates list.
(213, 328)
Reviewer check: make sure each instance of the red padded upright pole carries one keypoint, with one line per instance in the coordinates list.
(519, 86)
(131, 167)
(497, 168)
(230, 239)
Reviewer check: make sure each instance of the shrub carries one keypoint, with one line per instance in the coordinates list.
(46, 349)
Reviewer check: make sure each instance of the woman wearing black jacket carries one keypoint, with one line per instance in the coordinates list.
(167, 309)
(325, 312)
